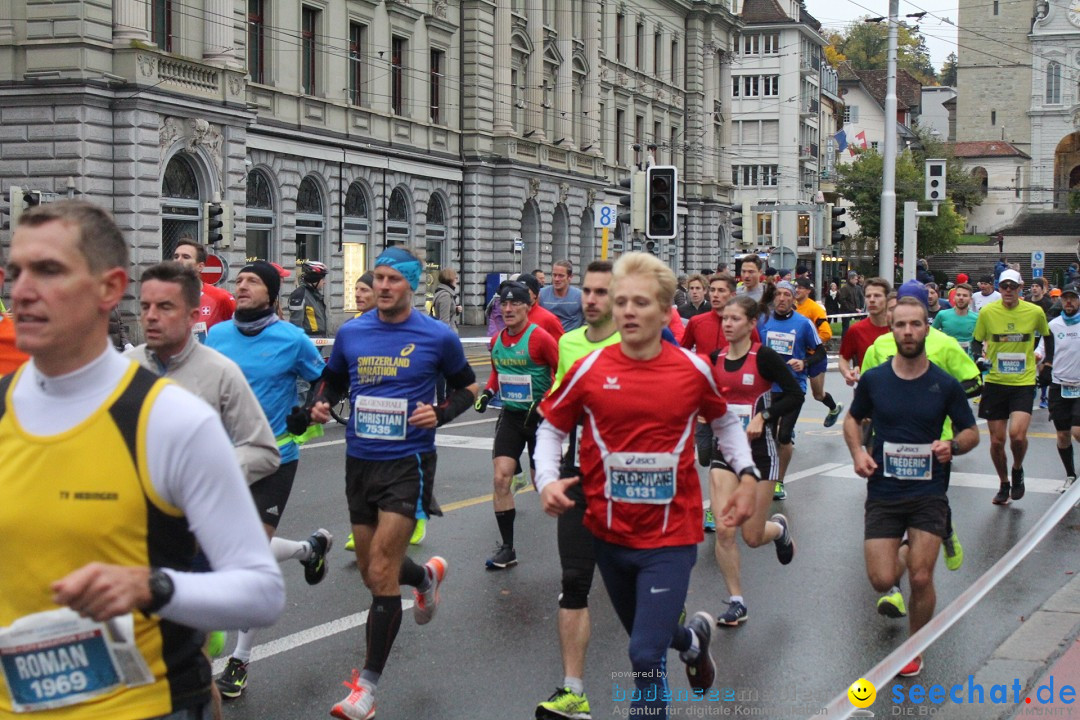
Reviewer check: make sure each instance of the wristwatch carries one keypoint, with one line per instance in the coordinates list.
(750, 470)
(765, 415)
(954, 447)
(161, 591)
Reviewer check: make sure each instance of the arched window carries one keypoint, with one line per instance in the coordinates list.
(398, 225)
(310, 222)
(983, 179)
(356, 240)
(260, 216)
(181, 205)
(1053, 83)
(435, 234)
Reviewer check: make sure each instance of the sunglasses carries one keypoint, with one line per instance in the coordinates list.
(1008, 286)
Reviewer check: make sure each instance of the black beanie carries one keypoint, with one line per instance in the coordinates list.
(268, 274)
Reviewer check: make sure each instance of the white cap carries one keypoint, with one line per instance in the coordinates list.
(1012, 275)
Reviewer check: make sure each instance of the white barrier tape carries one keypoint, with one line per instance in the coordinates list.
(840, 707)
(322, 342)
(846, 315)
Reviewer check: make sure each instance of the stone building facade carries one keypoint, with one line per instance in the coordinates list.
(479, 133)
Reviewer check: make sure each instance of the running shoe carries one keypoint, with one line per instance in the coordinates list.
(519, 482)
(1017, 483)
(428, 602)
(954, 551)
(350, 542)
(1043, 405)
(701, 671)
(892, 605)
(504, 557)
(315, 566)
(710, 521)
(831, 418)
(215, 643)
(1067, 484)
(419, 533)
(359, 705)
(913, 668)
(779, 493)
(233, 681)
(735, 615)
(785, 546)
(1002, 497)
(564, 703)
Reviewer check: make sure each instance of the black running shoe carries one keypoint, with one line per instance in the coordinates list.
(315, 566)
(785, 546)
(1002, 497)
(701, 671)
(1018, 483)
(232, 682)
(504, 557)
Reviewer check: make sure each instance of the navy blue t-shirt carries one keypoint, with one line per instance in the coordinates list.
(392, 367)
(908, 416)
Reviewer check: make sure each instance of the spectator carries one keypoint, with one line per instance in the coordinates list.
(999, 267)
(922, 272)
(540, 276)
(697, 303)
(850, 298)
(1072, 274)
(444, 304)
(680, 292)
(830, 301)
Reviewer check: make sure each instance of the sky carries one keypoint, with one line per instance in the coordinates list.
(940, 36)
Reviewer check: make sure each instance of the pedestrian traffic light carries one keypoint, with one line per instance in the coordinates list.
(740, 214)
(212, 233)
(661, 202)
(632, 205)
(835, 223)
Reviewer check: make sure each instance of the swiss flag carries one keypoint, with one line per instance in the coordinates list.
(860, 141)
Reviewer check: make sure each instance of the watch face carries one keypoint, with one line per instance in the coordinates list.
(1073, 13)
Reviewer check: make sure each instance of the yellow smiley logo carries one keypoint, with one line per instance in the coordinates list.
(407, 350)
(862, 693)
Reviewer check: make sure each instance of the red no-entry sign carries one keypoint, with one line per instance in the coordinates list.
(214, 271)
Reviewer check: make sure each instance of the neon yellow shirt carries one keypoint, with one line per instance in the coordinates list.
(573, 346)
(1009, 339)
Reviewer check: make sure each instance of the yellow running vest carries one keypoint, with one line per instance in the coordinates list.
(85, 496)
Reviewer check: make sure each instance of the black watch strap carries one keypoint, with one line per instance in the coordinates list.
(161, 590)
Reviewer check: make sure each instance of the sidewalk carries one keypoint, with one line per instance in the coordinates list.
(1046, 646)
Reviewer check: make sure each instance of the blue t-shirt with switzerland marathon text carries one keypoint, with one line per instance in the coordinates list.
(790, 338)
(391, 368)
(271, 361)
(908, 416)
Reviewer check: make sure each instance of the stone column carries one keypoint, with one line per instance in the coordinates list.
(534, 72)
(564, 80)
(218, 45)
(504, 95)
(130, 21)
(591, 99)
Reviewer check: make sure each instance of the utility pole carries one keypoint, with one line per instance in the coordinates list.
(887, 234)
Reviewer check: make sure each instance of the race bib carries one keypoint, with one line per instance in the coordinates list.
(1011, 363)
(55, 659)
(1070, 392)
(515, 388)
(199, 331)
(743, 412)
(640, 477)
(377, 418)
(966, 346)
(781, 343)
(748, 378)
(905, 461)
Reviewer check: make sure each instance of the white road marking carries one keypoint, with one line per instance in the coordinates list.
(305, 637)
(810, 472)
(470, 422)
(975, 480)
(464, 442)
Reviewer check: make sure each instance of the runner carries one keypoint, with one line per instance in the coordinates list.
(561, 297)
(750, 274)
(986, 295)
(1008, 329)
(387, 361)
(576, 555)
(307, 307)
(523, 360)
(861, 335)
(1040, 298)
(272, 355)
(813, 311)
(646, 523)
(216, 305)
(793, 337)
(907, 471)
(746, 371)
(537, 313)
(1062, 363)
(958, 322)
(125, 473)
(10, 356)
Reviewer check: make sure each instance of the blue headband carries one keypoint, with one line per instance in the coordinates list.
(402, 261)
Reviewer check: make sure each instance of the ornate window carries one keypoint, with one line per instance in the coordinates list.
(1053, 83)
(310, 222)
(260, 216)
(398, 219)
(435, 233)
(181, 205)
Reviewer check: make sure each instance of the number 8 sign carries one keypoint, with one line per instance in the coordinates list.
(604, 216)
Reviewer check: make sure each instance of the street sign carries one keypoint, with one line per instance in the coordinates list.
(1036, 272)
(782, 257)
(604, 216)
(1038, 260)
(215, 270)
(519, 245)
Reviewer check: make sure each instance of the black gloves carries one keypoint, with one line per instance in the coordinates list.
(298, 420)
(482, 400)
(1046, 375)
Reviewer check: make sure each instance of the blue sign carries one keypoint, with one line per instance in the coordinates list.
(1036, 272)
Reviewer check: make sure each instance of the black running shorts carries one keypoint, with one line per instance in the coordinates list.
(891, 518)
(395, 486)
(514, 431)
(766, 456)
(1000, 401)
(1064, 412)
(272, 493)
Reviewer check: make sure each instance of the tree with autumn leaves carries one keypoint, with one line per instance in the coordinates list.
(865, 45)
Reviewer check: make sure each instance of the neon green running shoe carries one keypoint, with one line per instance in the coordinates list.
(892, 605)
(215, 643)
(954, 552)
(419, 533)
(710, 521)
(779, 493)
(519, 482)
(564, 703)
(350, 543)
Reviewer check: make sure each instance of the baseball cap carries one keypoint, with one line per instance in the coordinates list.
(1072, 289)
(1010, 275)
(1056, 292)
(514, 292)
(804, 283)
(529, 280)
(915, 289)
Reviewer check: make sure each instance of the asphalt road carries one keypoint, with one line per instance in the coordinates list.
(492, 651)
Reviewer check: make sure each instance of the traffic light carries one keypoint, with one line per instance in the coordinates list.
(19, 201)
(935, 180)
(661, 202)
(835, 223)
(740, 214)
(212, 233)
(652, 247)
(632, 205)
